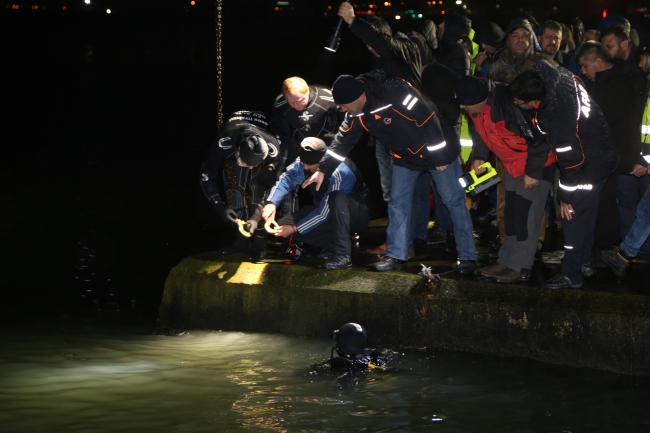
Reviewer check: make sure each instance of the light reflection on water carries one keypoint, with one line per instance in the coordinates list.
(89, 381)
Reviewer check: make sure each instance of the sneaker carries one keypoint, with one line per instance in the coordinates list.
(389, 264)
(338, 261)
(493, 248)
(325, 255)
(616, 259)
(509, 275)
(436, 235)
(466, 267)
(588, 270)
(492, 270)
(379, 251)
(410, 255)
(560, 281)
(487, 216)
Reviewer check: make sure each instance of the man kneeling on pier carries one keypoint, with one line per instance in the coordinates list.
(341, 206)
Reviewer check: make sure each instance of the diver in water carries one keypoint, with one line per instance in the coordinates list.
(350, 345)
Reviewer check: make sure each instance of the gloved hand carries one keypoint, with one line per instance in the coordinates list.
(250, 226)
(227, 214)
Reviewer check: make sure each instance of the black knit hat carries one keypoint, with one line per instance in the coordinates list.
(644, 47)
(471, 90)
(312, 150)
(253, 149)
(347, 89)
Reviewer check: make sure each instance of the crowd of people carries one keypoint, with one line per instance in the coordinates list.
(563, 113)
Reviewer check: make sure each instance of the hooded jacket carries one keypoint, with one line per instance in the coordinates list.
(576, 129)
(452, 53)
(399, 57)
(429, 31)
(490, 33)
(506, 67)
(502, 128)
(403, 120)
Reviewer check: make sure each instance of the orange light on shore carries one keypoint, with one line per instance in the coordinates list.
(192, 2)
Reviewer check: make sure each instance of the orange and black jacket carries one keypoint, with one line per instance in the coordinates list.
(577, 131)
(402, 120)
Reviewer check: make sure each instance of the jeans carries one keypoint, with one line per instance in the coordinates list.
(443, 220)
(451, 194)
(629, 192)
(421, 209)
(385, 162)
(640, 230)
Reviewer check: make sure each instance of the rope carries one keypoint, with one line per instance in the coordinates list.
(218, 19)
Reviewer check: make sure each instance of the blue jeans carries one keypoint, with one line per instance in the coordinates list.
(640, 230)
(421, 209)
(451, 194)
(385, 162)
(630, 190)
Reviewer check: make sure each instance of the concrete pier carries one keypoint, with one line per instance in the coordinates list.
(601, 329)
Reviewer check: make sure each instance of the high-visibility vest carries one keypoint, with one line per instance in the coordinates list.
(645, 130)
(465, 139)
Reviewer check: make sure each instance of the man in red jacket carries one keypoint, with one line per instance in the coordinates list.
(498, 126)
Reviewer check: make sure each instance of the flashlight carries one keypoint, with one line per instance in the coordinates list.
(474, 184)
(335, 40)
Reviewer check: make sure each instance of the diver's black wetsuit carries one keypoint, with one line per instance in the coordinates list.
(320, 116)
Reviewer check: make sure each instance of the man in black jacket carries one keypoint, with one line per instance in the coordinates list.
(451, 51)
(302, 111)
(560, 108)
(395, 113)
(612, 89)
(242, 164)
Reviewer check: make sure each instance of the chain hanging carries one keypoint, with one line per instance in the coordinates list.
(218, 19)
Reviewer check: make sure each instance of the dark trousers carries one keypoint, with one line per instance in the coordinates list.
(579, 231)
(522, 217)
(347, 215)
(607, 222)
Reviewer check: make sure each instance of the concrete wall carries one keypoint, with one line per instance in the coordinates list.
(572, 327)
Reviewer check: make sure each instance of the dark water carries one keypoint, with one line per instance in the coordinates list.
(93, 380)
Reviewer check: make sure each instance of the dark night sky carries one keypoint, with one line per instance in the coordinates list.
(105, 118)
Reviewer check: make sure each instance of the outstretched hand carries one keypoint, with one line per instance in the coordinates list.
(314, 178)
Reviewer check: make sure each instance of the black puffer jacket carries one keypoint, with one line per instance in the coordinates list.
(400, 58)
(576, 130)
(429, 31)
(403, 120)
(452, 53)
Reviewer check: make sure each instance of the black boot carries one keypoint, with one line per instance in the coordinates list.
(338, 261)
(389, 264)
(617, 260)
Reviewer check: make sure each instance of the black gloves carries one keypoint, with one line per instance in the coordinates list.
(226, 214)
(250, 226)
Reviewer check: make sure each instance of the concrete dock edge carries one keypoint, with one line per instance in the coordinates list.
(594, 329)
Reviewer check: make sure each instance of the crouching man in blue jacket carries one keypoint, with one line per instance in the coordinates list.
(340, 207)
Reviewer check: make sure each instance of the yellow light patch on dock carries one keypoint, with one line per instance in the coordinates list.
(249, 273)
(210, 269)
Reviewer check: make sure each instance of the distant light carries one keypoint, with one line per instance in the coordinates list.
(65, 8)
(442, 12)
(459, 2)
(397, 17)
(497, 6)
(192, 2)
(386, 3)
(282, 3)
(413, 16)
(464, 6)
(108, 11)
(604, 13)
(419, 15)
(87, 2)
